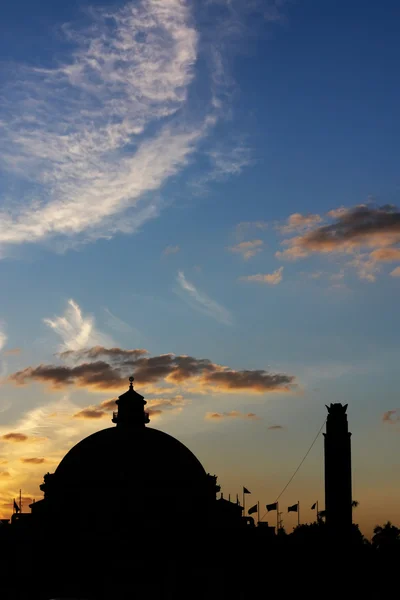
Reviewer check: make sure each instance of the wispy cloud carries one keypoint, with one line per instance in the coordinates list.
(202, 302)
(80, 133)
(230, 160)
(269, 278)
(248, 249)
(391, 417)
(116, 323)
(3, 335)
(41, 435)
(76, 330)
(12, 352)
(171, 250)
(244, 227)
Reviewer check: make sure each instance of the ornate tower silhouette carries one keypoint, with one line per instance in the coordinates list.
(338, 496)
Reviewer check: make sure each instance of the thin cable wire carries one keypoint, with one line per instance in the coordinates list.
(298, 468)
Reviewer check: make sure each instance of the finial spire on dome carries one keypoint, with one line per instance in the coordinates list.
(131, 380)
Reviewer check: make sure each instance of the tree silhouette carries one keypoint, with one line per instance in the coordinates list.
(386, 537)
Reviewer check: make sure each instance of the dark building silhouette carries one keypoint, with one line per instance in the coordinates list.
(131, 513)
(128, 478)
(338, 494)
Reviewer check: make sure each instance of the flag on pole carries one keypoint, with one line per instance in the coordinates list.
(16, 507)
(314, 506)
(253, 509)
(273, 506)
(246, 491)
(293, 508)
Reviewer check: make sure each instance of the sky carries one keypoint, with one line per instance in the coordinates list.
(203, 194)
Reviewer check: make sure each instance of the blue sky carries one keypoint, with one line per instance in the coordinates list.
(217, 180)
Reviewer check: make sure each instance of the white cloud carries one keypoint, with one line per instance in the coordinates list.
(80, 132)
(243, 228)
(3, 335)
(270, 278)
(229, 160)
(203, 303)
(77, 331)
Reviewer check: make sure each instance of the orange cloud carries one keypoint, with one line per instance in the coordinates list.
(12, 351)
(386, 255)
(298, 222)
(361, 226)
(14, 437)
(109, 404)
(91, 412)
(170, 368)
(20, 437)
(248, 249)
(370, 234)
(33, 461)
(270, 278)
(233, 414)
(391, 417)
(395, 272)
(4, 474)
(154, 413)
(293, 253)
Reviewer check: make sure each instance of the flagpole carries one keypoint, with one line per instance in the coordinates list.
(277, 518)
(317, 513)
(298, 512)
(244, 505)
(258, 511)
(20, 502)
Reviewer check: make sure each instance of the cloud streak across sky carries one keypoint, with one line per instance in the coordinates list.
(200, 301)
(98, 134)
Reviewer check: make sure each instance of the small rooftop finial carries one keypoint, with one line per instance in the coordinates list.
(131, 380)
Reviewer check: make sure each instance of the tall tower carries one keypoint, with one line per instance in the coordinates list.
(338, 497)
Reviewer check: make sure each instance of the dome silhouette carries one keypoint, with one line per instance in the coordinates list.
(145, 455)
(124, 478)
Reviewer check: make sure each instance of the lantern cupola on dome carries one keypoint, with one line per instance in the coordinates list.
(130, 411)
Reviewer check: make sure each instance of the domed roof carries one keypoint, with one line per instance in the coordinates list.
(144, 455)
